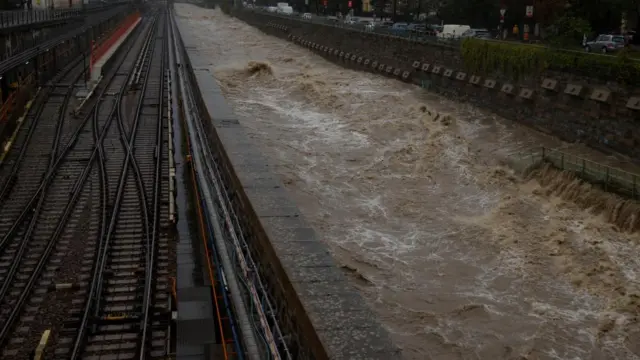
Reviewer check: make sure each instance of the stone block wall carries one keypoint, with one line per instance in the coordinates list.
(573, 107)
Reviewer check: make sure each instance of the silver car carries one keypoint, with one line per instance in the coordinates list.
(605, 44)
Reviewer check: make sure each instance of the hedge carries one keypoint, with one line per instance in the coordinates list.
(520, 60)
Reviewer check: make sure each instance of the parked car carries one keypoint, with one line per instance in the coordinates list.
(605, 44)
(453, 31)
(368, 24)
(416, 27)
(399, 29)
(477, 33)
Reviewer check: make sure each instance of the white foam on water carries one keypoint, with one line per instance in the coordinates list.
(456, 256)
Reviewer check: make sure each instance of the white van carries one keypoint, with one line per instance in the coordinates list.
(286, 10)
(452, 31)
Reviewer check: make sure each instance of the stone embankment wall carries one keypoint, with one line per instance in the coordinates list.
(604, 115)
(321, 315)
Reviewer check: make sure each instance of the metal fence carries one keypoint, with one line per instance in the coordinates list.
(36, 39)
(25, 17)
(20, 17)
(610, 178)
(39, 38)
(42, 43)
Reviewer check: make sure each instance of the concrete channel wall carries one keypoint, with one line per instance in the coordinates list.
(575, 108)
(324, 316)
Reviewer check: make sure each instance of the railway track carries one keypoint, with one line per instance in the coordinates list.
(45, 121)
(23, 234)
(85, 252)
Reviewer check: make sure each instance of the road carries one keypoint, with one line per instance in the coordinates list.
(575, 49)
(459, 257)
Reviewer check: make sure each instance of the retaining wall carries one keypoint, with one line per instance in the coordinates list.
(318, 310)
(604, 115)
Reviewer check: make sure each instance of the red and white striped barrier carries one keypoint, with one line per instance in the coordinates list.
(100, 53)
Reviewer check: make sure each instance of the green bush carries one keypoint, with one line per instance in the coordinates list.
(568, 31)
(520, 60)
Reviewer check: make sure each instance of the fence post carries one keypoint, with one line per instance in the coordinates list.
(93, 44)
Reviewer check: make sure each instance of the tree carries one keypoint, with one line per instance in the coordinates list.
(569, 31)
(602, 16)
(546, 11)
(476, 13)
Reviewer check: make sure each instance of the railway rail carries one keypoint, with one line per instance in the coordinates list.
(255, 333)
(84, 236)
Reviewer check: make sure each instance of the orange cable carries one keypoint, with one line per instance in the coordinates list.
(206, 247)
(174, 291)
(209, 268)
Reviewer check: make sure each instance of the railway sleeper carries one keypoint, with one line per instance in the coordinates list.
(57, 94)
(134, 272)
(63, 85)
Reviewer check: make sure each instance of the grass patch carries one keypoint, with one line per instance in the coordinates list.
(523, 60)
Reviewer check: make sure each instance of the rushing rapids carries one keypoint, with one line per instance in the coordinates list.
(460, 257)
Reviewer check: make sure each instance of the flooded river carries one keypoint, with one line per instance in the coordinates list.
(459, 257)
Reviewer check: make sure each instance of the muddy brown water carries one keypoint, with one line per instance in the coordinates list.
(460, 257)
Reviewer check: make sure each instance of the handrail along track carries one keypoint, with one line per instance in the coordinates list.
(229, 239)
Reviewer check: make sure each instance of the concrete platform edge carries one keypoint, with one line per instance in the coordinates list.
(324, 313)
(96, 73)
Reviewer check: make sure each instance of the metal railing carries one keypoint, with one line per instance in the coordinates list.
(44, 43)
(25, 17)
(19, 17)
(36, 39)
(610, 178)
